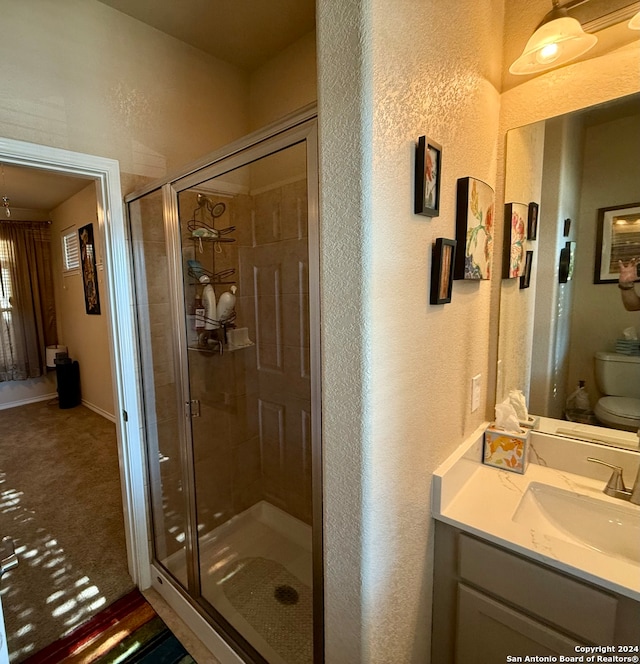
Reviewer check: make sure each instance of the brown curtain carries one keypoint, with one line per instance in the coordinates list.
(27, 308)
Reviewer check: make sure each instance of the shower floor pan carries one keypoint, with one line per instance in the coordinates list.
(256, 570)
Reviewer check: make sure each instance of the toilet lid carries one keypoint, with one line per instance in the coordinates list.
(622, 407)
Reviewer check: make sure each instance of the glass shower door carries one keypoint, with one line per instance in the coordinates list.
(245, 252)
(161, 384)
(225, 260)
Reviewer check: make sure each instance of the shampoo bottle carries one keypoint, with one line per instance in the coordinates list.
(226, 303)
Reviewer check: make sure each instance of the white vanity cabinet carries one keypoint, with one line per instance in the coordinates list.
(490, 603)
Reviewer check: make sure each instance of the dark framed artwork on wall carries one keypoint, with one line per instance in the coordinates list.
(427, 177)
(89, 272)
(515, 236)
(525, 279)
(474, 229)
(617, 239)
(443, 258)
(532, 222)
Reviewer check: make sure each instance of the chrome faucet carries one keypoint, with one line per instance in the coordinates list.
(615, 486)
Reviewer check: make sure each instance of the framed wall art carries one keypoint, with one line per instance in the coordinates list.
(515, 237)
(617, 239)
(89, 273)
(474, 229)
(532, 222)
(427, 177)
(525, 279)
(442, 262)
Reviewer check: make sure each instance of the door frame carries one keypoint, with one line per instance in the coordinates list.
(121, 327)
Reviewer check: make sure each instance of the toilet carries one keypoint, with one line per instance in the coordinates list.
(618, 378)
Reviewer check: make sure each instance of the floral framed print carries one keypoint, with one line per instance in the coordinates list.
(617, 239)
(427, 177)
(474, 229)
(515, 236)
(88, 266)
(525, 279)
(532, 222)
(444, 252)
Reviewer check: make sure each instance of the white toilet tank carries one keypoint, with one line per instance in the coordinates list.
(617, 374)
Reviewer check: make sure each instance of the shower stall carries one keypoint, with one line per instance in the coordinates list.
(225, 260)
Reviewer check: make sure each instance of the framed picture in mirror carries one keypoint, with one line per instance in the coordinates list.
(525, 279)
(617, 239)
(515, 236)
(532, 222)
(427, 177)
(443, 258)
(474, 229)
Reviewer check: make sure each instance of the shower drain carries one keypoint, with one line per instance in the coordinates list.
(286, 595)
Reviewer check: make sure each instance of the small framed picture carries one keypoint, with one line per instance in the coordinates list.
(444, 252)
(532, 222)
(567, 258)
(427, 177)
(617, 239)
(475, 202)
(525, 279)
(515, 236)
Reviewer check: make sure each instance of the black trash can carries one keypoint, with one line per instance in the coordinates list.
(68, 377)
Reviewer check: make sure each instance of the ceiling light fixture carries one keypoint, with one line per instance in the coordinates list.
(634, 23)
(557, 40)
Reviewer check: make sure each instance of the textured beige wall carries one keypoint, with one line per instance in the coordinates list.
(77, 74)
(284, 83)
(397, 370)
(86, 337)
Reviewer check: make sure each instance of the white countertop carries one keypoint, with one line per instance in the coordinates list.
(482, 500)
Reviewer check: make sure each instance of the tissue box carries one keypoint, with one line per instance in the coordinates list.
(506, 449)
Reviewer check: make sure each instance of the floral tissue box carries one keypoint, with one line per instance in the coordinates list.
(506, 449)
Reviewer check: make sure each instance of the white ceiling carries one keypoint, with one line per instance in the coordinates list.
(245, 33)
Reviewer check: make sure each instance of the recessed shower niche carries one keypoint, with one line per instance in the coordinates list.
(225, 262)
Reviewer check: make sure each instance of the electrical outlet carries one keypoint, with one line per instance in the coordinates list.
(475, 392)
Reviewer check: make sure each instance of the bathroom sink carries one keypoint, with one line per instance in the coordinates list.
(571, 517)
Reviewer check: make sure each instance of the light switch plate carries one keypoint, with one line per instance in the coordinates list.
(475, 392)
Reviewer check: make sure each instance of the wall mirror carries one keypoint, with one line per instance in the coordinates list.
(574, 166)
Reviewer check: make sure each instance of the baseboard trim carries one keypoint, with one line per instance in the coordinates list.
(24, 402)
(100, 411)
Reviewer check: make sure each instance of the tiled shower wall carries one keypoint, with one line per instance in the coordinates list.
(252, 440)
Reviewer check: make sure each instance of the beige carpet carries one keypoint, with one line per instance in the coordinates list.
(60, 500)
(276, 604)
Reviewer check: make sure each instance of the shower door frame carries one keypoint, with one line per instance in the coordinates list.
(298, 128)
